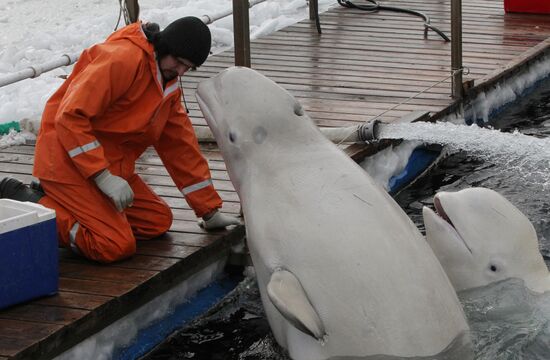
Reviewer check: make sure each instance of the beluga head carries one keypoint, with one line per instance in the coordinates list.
(247, 113)
(480, 237)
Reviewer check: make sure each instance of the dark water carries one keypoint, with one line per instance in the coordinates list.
(237, 329)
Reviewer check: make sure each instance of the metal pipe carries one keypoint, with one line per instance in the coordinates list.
(456, 48)
(209, 19)
(362, 133)
(36, 70)
(68, 59)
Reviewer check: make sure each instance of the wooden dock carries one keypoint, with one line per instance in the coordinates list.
(362, 65)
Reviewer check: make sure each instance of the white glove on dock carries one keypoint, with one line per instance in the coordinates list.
(218, 221)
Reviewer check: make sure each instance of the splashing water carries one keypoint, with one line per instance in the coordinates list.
(524, 157)
(508, 321)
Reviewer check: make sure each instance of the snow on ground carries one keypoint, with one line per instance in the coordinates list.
(37, 31)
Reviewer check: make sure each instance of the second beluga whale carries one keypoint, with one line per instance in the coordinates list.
(480, 237)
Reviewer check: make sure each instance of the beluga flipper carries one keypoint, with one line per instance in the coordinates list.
(288, 296)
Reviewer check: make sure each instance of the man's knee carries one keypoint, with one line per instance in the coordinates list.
(159, 222)
(116, 251)
(165, 221)
(104, 248)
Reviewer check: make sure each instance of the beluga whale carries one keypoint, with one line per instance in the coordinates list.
(343, 272)
(480, 237)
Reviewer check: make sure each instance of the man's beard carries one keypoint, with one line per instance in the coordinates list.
(168, 75)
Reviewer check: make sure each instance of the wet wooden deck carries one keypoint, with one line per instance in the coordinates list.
(361, 66)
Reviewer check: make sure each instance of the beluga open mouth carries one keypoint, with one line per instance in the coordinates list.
(441, 212)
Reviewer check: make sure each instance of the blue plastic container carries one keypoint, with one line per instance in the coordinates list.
(29, 260)
(419, 161)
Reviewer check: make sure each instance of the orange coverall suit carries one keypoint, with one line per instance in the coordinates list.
(108, 111)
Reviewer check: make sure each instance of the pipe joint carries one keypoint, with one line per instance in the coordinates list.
(368, 131)
(37, 71)
(206, 19)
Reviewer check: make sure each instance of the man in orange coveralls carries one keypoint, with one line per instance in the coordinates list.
(121, 98)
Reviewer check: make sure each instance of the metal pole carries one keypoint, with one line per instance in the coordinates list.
(241, 33)
(312, 7)
(209, 19)
(456, 48)
(132, 6)
(36, 70)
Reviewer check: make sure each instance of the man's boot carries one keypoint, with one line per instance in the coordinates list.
(14, 189)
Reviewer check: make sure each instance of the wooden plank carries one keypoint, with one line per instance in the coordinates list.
(74, 300)
(94, 287)
(14, 329)
(142, 262)
(360, 40)
(90, 271)
(360, 57)
(16, 335)
(38, 313)
(189, 239)
(168, 250)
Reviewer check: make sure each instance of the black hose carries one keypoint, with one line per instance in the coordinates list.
(375, 7)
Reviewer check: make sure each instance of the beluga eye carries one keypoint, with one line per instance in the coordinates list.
(232, 136)
(496, 267)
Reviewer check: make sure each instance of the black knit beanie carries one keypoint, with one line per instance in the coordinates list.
(188, 38)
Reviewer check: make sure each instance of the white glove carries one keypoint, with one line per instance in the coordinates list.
(218, 221)
(116, 188)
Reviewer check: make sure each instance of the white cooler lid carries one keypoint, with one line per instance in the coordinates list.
(17, 214)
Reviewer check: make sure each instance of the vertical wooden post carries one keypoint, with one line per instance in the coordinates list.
(456, 48)
(313, 4)
(241, 32)
(132, 7)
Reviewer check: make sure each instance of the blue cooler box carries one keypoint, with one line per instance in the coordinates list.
(29, 260)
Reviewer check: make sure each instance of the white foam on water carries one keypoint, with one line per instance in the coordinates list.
(389, 162)
(503, 93)
(522, 156)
